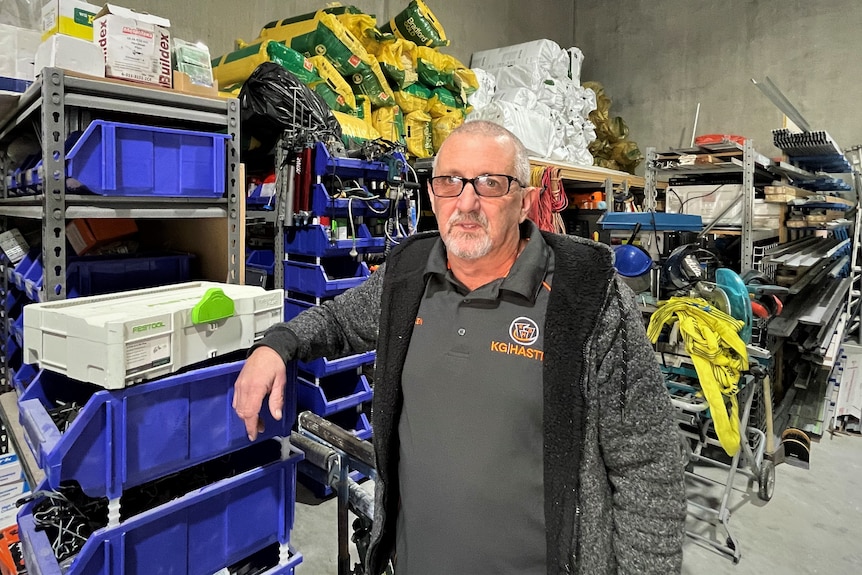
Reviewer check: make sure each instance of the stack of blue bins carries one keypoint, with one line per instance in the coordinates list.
(318, 266)
(166, 465)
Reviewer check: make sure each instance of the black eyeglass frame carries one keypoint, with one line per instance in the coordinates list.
(472, 181)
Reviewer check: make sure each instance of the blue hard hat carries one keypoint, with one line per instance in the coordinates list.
(631, 261)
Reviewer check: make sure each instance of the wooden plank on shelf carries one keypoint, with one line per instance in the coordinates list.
(592, 174)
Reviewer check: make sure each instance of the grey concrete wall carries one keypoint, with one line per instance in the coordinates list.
(470, 26)
(659, 58)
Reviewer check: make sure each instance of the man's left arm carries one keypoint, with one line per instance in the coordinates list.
(640, 444)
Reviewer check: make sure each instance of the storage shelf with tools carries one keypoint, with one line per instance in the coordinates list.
(185, 151)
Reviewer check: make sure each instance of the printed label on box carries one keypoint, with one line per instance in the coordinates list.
(144, 354)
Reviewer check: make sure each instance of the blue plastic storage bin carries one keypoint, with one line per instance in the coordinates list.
(259, 268)
(115, 159)
(350, 168)
(126, 437)
(25, 269)
(197, 534)
(329, 278)
(332, 393)
(294, 307)
(8, 84)
(96, 275)
(324, 205)
(315, 241)
(323, 367)
(24, 376)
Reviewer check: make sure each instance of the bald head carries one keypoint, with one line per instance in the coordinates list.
(486, 129)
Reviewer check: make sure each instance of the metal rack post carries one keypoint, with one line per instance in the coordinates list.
(747, 257)
(650, 181)
(234, 195)
(54, 192)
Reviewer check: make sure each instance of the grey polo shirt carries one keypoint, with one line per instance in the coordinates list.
(470, 468)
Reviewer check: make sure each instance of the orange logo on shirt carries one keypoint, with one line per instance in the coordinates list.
(524, 331)
(418, 321)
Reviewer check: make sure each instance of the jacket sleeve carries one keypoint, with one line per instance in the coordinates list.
(640, 444)
(345, 325)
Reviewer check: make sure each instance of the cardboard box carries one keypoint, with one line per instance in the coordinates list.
(69, 17)
(136, 46)
(9, 495)
(183, 83)
(17, 52)
(10, 469)
(70, 53)
(85, 235)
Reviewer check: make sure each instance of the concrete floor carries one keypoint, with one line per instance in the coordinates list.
(810, 526)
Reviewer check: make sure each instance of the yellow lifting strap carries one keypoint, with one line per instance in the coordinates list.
(719, 355)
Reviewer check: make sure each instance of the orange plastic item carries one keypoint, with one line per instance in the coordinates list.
(10, 563)
(708, 139)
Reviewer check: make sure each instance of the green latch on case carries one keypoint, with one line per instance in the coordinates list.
(215, 305)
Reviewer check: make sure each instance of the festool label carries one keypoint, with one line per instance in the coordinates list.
(83, 17)
(147, 326)
(144, 327)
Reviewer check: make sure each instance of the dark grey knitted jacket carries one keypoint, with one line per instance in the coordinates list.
(614, 491)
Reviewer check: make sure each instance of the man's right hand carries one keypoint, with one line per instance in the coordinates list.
(264, 373)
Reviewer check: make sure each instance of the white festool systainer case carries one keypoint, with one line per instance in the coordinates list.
(115, 340)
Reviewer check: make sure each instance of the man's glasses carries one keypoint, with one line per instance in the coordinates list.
(487, 185)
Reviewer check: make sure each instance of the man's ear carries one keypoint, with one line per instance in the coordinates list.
(528, 200)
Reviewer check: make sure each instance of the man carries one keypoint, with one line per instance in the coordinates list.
(520, 420)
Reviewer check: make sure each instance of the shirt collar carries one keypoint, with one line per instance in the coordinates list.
(526, 276)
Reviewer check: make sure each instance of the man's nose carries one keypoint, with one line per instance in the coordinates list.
(468, 201)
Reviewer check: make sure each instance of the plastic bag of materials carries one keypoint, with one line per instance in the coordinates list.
(562, 94)
(535, 130)
(576, 59)
(335, 81)
(485, 93)
(418, 136)
(443, 102)
(335, 92)
(519, 76)
(544, 56)
(354, 130)
(395, 61)
(436, 69)
(442, 126)
(523, 97)
(287, 29)
(413, 98)
(389, 123)
(348, 56)
(273, 100)
(417, 24)
(235, 67)
(363, 108)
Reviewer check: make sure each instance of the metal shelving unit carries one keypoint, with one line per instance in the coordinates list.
(59, 103)
(729, 162)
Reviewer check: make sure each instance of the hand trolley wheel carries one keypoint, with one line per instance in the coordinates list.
(766, 480)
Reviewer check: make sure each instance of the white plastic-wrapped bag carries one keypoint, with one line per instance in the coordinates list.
(576, 58)
(520, 96)
(487, 87)
(519, 76)
(561, 94)
(542, 55)
(534, 129)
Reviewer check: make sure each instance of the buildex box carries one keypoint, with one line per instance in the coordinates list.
(136, 46)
